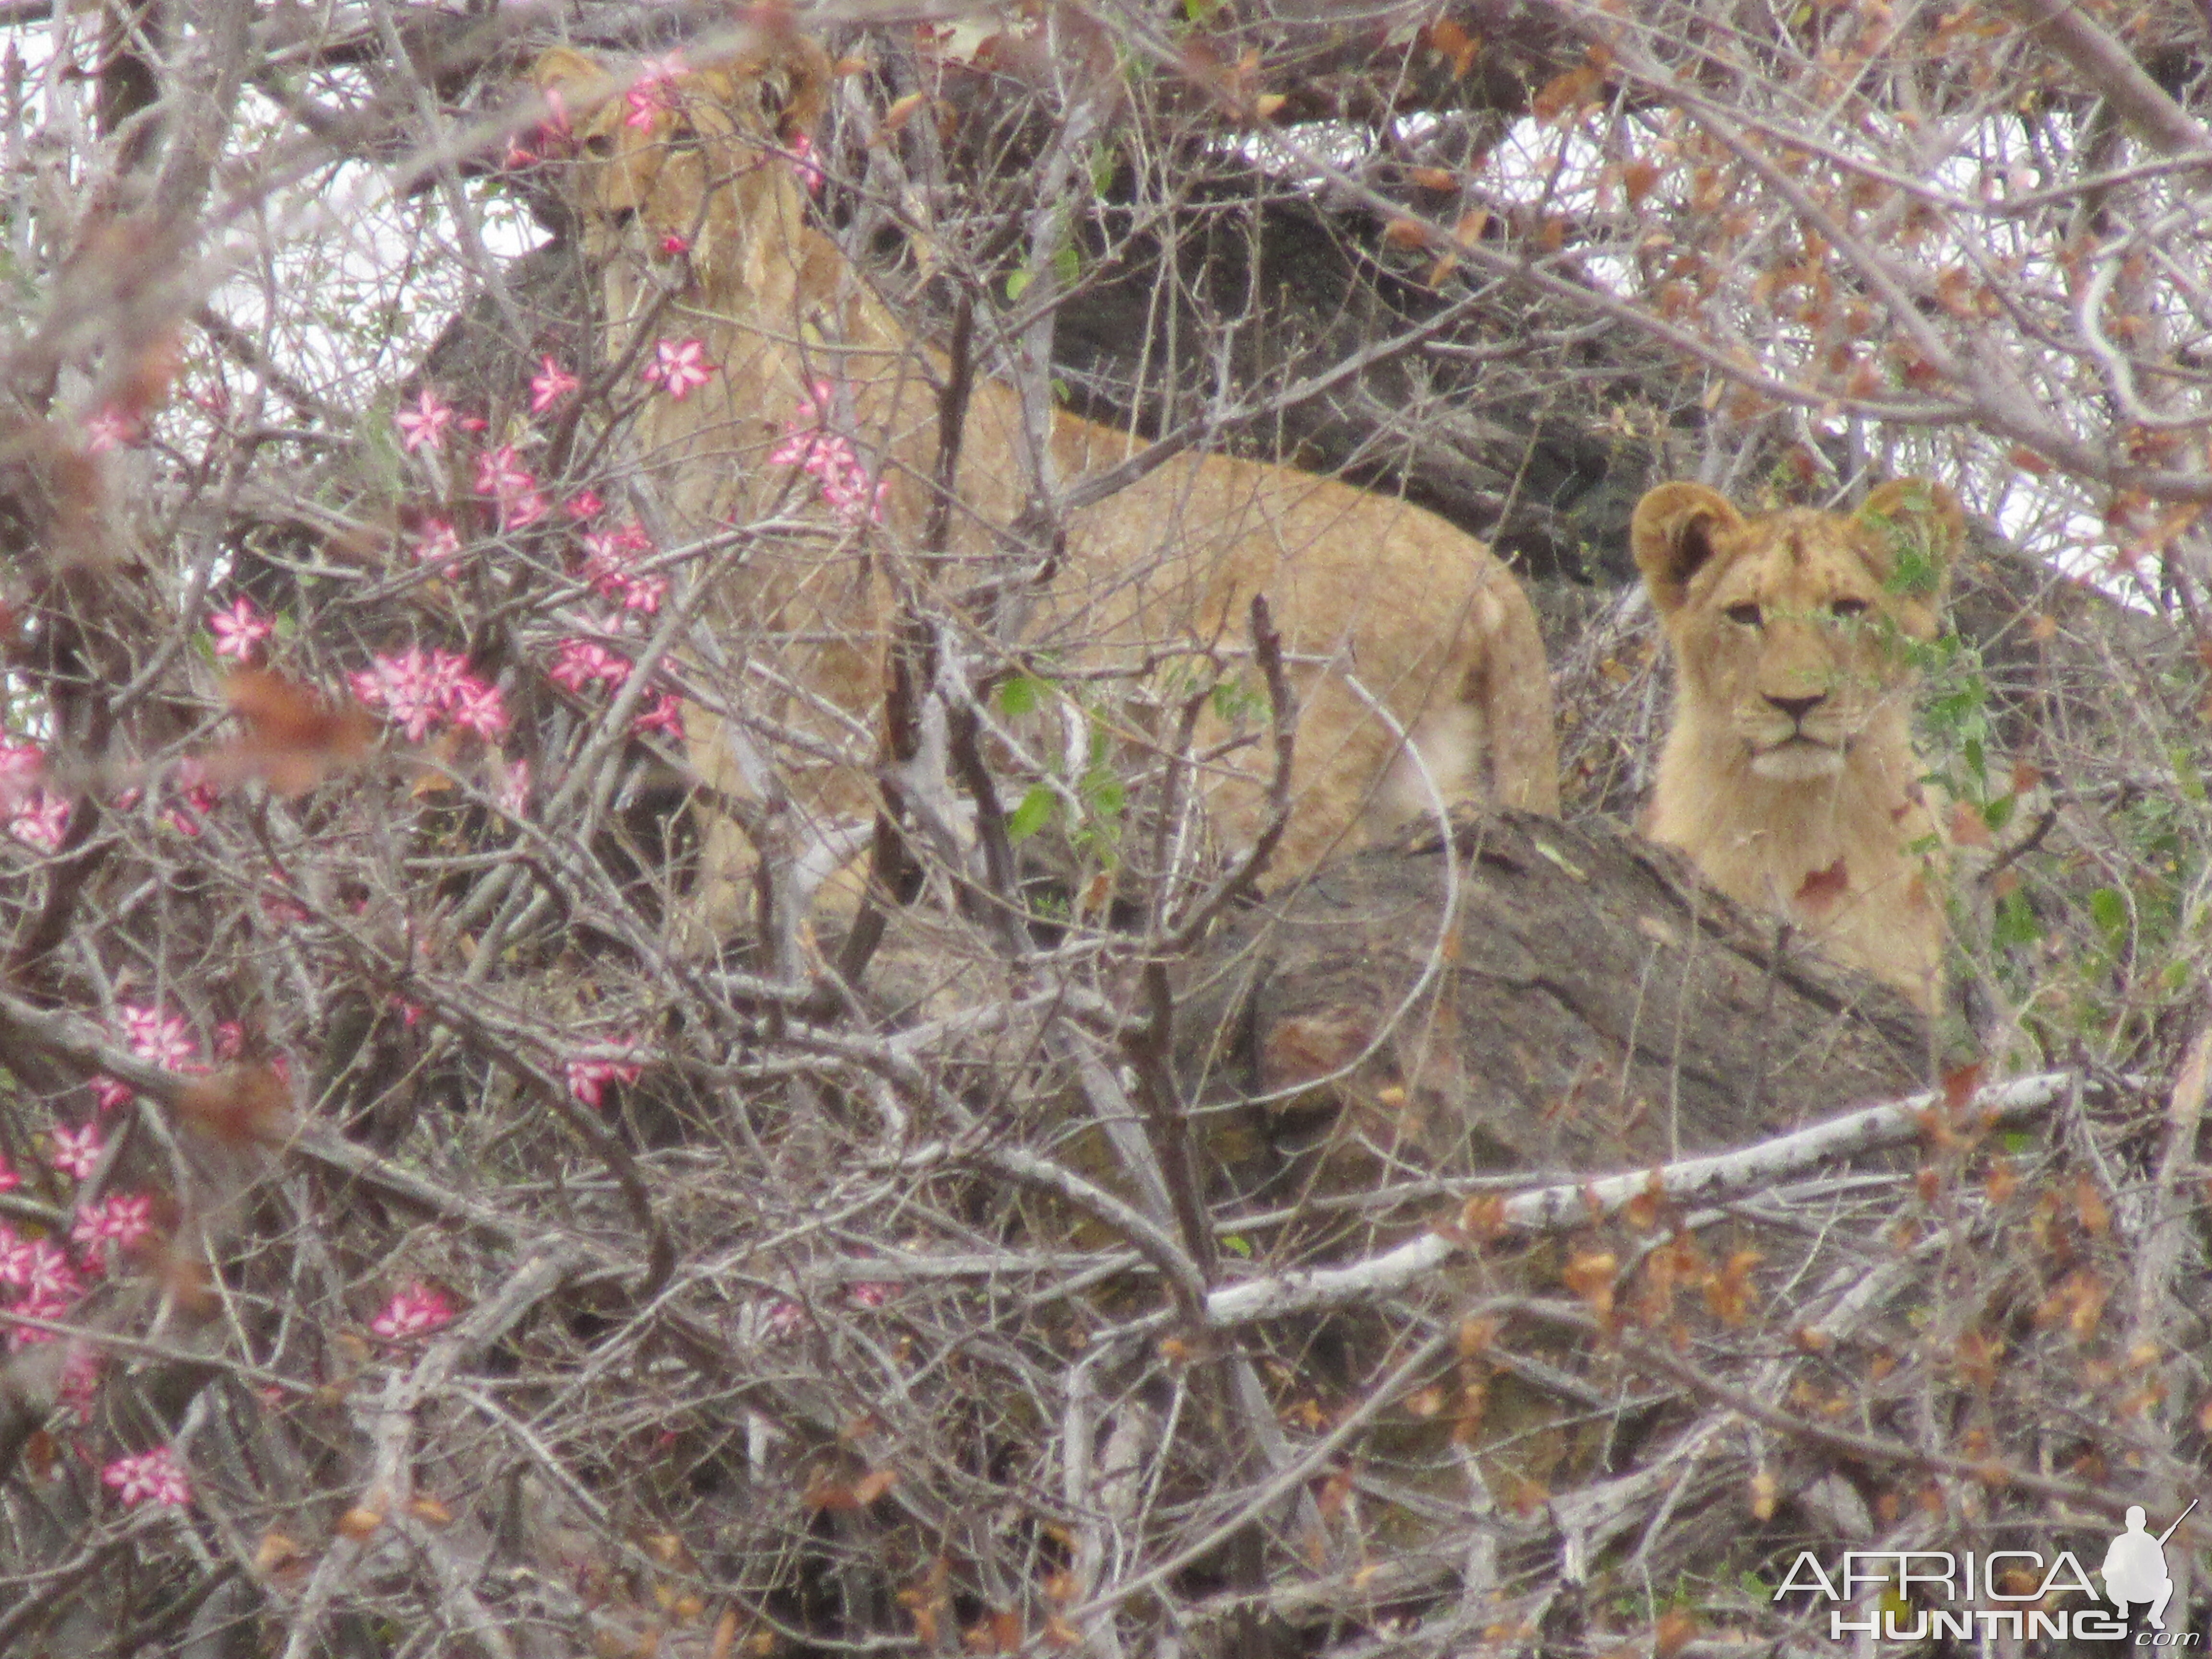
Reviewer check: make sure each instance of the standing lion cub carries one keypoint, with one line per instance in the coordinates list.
(1788, 773)
(803, 451)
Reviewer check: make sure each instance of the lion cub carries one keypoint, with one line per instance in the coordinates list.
(1788, 773)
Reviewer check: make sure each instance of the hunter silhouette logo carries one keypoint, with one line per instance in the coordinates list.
(2134, 1567)
(1913, 1596)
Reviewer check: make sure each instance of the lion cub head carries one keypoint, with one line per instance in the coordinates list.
(670, 158)
(1791, 630)
(1789, 775)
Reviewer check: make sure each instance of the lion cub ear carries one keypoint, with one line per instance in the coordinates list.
(1917, 529)
(1672, 535)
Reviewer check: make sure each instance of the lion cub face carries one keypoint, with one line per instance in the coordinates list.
(1790, 630)
(676, 152)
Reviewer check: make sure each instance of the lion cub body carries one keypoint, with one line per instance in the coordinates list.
(1411, 649)
(1788, 773)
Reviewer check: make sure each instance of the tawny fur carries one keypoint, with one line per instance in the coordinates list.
(1374, 599)
(1789, 773)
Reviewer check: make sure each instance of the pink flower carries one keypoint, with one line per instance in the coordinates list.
(42, 822)
(584, 504)
(500, 472)
(674, 245)
(239, 629)
(521, 510)
(21, 765)
(828, 456)
(423, 427)
(80, 1379)
(9, 1180)
(14, 1257)
(550, 384)
(782, 1319)
(415, 688)
(43, 1271)
(869, 1293)
(475, 707)
(229, 1039)
(416, 1311)
(588, 1078)
(39, 1304)
(110, 428)
(653, 91)
(76, 1152)
(678, 367)
(159, 1038)
(150, 1477)
(801, 151)
(664, 714)
(126, 1218)
(109, 1092)
(581, 662)
(439, 544)
(511, 795)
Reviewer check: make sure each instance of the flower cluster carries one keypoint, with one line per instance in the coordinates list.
(828, 458)
(40, 1270)
(417, 1310)
(33, 814)
(418, 689)
(610, 558)
(579, 662)
(157, 1036)
(149, 1477)
(501, 476)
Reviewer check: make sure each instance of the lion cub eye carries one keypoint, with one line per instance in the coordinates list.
(1847, 609)
(1746, 613)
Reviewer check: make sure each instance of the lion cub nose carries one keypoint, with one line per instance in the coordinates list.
(1796, 708)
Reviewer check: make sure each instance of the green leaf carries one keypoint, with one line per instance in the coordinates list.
(1016, 281)
(1068, 264)
(1024, 694)
(1237, 1244)
(2016, 922)
(1032, 814)
(2110, 910)
(1998, 813)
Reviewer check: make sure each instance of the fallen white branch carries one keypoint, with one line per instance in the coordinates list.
(1577, 1203)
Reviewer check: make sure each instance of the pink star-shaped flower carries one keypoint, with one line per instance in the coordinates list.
(414, 1311)
(664, 714)
(76, 1151)
(163, 1039)
(109, 1092)
(126, 1218)
(522, 509)
(653, 91)
(239, 631)
(580, 662)
(423, 427)
(584, 504)
(150, 1477)
(438, 545)
(43, 1270)
(20, 766)
(511, 795)
(801, 151)
(588, 1078)
(42, 822)
(110, 428)
(550, 384)
(678, 367)
(475, 707)
(500, 472)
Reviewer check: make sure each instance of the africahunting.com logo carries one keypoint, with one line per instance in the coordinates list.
(1914, 1595)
